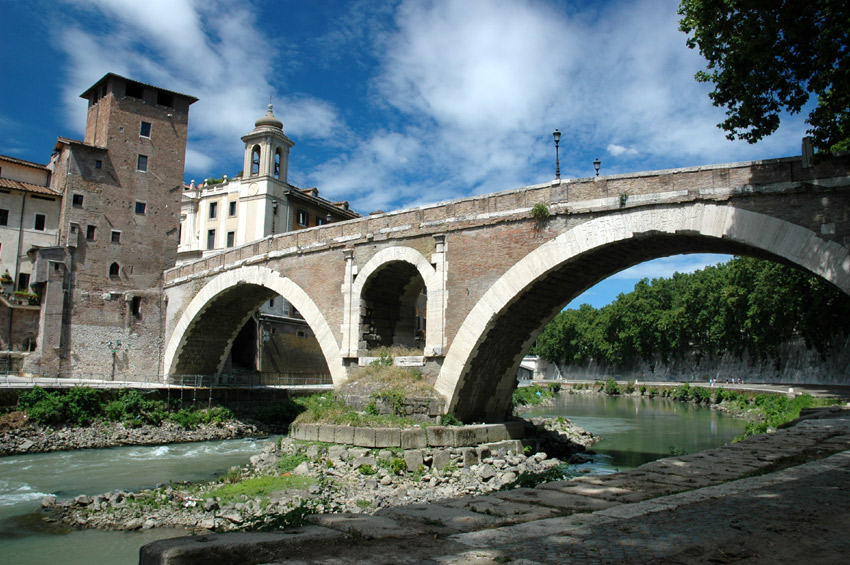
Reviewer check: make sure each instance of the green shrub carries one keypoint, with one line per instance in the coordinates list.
(395, 397)
(371, 408)
(701, 395)
(232, 476)
(133, 409)
(288, 463)
(611, 386)
(41, 406)
(398, 466)
(530, 395)
(540, 212)
(27, 400)
(366, 469)
(630, 387)
(81, 405)
(653, 392)
(681, 392)
(642, 390)
(449, 420)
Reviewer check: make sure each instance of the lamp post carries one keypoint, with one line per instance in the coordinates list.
(596, 165)
(557, 135)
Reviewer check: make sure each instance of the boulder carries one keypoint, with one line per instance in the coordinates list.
(413, 459)
(486, 472)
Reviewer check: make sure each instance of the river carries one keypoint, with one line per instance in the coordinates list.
(635, 431)
(25, 479)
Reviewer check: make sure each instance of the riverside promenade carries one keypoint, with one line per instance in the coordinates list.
(782, 497)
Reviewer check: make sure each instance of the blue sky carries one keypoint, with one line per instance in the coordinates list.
(390, 104)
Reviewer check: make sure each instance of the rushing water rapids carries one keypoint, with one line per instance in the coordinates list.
(635, 431)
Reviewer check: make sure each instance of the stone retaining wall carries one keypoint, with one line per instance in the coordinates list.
(410, 438)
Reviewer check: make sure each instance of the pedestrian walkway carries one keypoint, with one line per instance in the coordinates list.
(773, 498)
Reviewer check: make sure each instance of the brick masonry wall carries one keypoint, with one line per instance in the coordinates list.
(24, 327)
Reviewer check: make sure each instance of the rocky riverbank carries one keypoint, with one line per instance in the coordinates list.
(18, 436)
(290, 479)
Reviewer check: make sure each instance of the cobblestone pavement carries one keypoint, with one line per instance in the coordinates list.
(775, 498)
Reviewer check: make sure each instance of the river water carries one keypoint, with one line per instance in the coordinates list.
(25, 479)
(635, 431)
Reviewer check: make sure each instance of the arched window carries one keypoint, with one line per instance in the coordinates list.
(255, 160)
(114, 269)
(277, 164)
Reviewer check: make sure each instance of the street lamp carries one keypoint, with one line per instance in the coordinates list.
(596, 165)
(557, 135)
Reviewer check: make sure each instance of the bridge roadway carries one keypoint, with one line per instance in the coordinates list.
(773, 498)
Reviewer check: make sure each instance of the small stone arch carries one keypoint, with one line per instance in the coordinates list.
(727, 227)
(276, 285)
(433, 288)
(255, 160)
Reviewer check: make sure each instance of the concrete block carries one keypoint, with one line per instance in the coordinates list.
(441, 436)
(413, 459)
(496, 432)
(414, 438)
(326, 433)
(364, 437)
(441, 459)
(308, 432)
(478, 435)
(389, 437)
(344, 435)
(470, 458)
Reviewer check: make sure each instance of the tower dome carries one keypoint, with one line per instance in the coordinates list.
(269, 120)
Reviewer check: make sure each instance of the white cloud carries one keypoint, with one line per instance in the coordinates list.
(216, 51)
(617, 150)
(458, 98)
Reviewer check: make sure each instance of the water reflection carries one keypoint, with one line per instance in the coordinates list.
(637, 430)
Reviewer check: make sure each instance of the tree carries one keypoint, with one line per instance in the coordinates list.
(765, 56)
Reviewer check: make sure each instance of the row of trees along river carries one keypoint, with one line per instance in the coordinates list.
(744, 305)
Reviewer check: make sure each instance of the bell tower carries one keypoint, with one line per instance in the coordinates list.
(266, 151)
(264, 179)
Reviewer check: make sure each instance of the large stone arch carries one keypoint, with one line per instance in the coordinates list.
(434, 285)
(218, 290)
(479, 390)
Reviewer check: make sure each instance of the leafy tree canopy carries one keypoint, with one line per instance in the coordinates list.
(745, 305)
(765, 56)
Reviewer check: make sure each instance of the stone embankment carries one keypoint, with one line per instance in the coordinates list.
(33, 438)
(338, 478)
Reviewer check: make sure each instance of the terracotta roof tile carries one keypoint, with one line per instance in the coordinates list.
(27, 187)
(21, 162)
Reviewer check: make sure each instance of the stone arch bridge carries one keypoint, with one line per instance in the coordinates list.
(493, 274)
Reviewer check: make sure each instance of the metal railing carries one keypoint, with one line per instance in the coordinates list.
(104, 380)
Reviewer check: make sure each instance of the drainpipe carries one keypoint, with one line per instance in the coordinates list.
(66, 306)
(20, 238)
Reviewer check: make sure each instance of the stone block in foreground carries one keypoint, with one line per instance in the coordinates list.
(259, 547)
